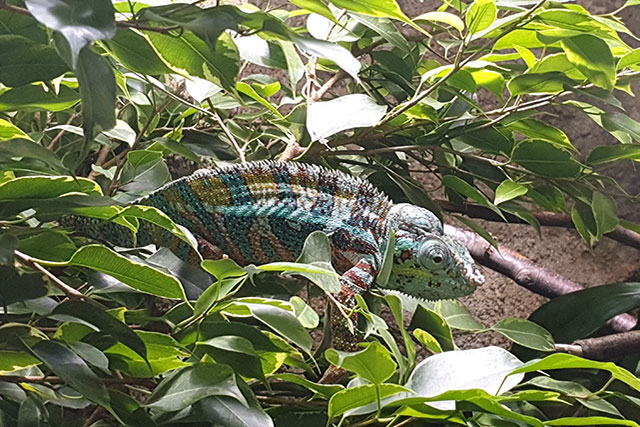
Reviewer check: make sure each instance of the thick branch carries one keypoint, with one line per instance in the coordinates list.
(551, 219)
(526, 273)
(608, 347)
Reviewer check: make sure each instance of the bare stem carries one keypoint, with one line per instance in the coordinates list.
(69, 292)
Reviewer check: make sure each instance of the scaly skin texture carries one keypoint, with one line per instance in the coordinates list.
(262, 212)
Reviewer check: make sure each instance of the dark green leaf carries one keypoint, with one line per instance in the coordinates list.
(23, 61)
(15, 287)
(98, 91)
(136, 53)
(193, 383)
(537, 129)
(545, 159)
(611, 153)
(527, 84)
(566, 318)
(434, 324)
(138, 276)
(525, 333)
(35, 97)
(464, 188)
(104, 322)
(569, 361)
(605, 213)
(235, 351)
(81, 22)
(73, 370)
(457, 315)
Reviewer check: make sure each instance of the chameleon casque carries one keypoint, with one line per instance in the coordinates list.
(261, 212)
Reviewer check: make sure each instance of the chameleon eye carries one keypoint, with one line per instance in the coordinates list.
(433, 254)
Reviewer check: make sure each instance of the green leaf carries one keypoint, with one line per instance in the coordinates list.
(537, 129)
(223, 268)
(24, 61)
(528, 57)
(487, 139)
(457, 315)
(104, 322)
(163, 354)
(189, 53)
(566, 318)
(427, 340)
(481, 15)
(373, 364)
(282, 322)
(211, 329)
(306, 315)
(326, 390)
(44, 187)
(611, 153)
(235, 351)
(592, 56)
(621, 122)
(605, 213)
(73, 371)
(379, 8)
(138, 276)
(346, 112)
(228, 412)
(464, 188)
(509, 190)
(582, 217)
(14, 360)
(569, 361)
(527, 84)
(316, 6)
(316, 251)
(442, 18)
(359, 396)
(134, 50)
(631, 58)
(193, 383)
(435, 324)
(35, 97)
(525, 333)
(98, 91)
(90, 354)
(79, 22)
(251, 93)
(545, 159)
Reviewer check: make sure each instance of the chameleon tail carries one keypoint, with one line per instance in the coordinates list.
(106, 231)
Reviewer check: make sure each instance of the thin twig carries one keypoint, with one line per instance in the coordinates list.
(102, 156)
(16, 379)
(68, 291)
(318, 94)
(213, 113)
(55, 140)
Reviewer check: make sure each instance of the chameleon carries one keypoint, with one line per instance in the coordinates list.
(261, 212)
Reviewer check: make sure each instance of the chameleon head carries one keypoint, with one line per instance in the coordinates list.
(428, 264)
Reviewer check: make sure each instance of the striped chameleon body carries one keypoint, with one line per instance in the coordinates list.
(263, 211)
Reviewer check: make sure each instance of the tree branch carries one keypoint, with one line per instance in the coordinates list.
(550, 219)
(526, 273)
(608, 347)
(68, 291)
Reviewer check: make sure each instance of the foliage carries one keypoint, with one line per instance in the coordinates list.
(96, 96)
